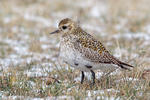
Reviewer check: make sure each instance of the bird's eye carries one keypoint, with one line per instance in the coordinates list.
(64, 27)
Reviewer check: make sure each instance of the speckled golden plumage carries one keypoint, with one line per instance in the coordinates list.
(82, 51)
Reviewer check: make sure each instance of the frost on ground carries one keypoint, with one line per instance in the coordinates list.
(29, 63)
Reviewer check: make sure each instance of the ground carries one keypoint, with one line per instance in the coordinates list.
(29, 63)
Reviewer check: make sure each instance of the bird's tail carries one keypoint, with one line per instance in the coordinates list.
(124, 65)
(120, 63)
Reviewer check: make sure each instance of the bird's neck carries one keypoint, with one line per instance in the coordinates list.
(76, 31)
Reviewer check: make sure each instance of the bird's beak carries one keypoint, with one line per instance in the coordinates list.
(57, 31)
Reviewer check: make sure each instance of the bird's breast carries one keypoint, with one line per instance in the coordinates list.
(67, 52)
(71, 56)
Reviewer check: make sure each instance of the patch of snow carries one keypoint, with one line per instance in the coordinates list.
(146, 43)
(132, 79)
(0, 30)
(147, 29)
(84, 4)
(48, 67)
(147, 59)
(95, 11)
(107, 98)
(122, 24)
(128, 79)
(35, 72)
(39, 70)
(77, 79)
(15, 58)
(10, 61)
(18, 46)
(44, 46)
(119, 51)
(22, 50)
(17, 97)
(99, 74)
(98, 10)
(43, 39)
(91, 27)
(100, 92)
(7, 19)
(133, 36)
(60, 16)
(44, 21)
(14, 29)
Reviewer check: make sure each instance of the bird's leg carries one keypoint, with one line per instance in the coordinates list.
(82, 77)
(93, 76)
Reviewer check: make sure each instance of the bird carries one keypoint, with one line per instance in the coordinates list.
(83, 51)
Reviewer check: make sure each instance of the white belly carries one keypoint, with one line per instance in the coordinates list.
(67, 55)
(75, 59)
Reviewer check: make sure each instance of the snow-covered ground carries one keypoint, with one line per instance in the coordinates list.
(25, 41)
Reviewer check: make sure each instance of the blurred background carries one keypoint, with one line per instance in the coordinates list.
(28, 50)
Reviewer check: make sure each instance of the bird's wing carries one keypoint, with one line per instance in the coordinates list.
(91, 49)
(94, 51)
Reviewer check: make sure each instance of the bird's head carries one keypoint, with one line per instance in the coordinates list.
(66, 26)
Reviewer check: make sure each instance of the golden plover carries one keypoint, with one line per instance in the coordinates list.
(82, 51)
